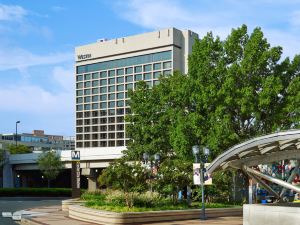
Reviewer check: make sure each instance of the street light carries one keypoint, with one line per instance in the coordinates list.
(17, 132)
(153, 164)
(203, 160)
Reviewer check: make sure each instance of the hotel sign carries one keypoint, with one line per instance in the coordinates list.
(85, 56)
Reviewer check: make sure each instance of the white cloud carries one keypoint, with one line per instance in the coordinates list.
(18, 58)
(219, 17)
(12, 12)
(33, 99)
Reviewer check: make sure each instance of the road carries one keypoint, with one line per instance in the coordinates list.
(12, 204)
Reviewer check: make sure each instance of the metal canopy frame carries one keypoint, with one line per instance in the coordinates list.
(263, 150)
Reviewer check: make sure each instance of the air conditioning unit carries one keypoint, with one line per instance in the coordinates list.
(102, 40)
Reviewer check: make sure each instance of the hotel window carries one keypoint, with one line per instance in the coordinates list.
(111, 88)
(120, 119)
(147, 68)
(95, 106)
(103, 105)
(138, 69)
(120, 87)
(120, 72)
(95, 83)
(149, 84)
(103, 97)
(95, 98)
(111, 96)
(79, 78)
(103, 89)
(111, 119)
(111, 143)
(111, 81)
(120, 80)
(138, 77)
(129, 86)
(87, 99)
(87, 107)
(103, 74)
(111, 135)
(103, 82)
(120, 111)
(111, 73)
(87, 76)
(129, 78)
(167, 72)
(120, 95)
(79, 85)
(79, 107)
(95, 90)
(111, 112)
(167, 65)
(79, 100)
(120, 103)
(103, 112)
(95, 75)
(147, 76)
(129, 70)
(120, 143)
(103, 136)
(87, 91)
(157, 66)
(111, 104)
(79, 93)
(87, 84)
(111, 127)
(156, 75)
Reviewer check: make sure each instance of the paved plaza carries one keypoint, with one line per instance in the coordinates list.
(55, 216)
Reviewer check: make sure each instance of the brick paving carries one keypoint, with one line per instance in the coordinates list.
(55, 216)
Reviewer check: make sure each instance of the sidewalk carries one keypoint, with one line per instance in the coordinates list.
(55, 216)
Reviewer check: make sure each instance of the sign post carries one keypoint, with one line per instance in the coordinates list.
(75, 156)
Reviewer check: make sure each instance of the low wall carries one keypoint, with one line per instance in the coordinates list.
(66, 203)
(112, 218)
(271, 215)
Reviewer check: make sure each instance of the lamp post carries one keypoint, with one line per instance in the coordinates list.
(147, 158)
(203, 160)
(17, 132)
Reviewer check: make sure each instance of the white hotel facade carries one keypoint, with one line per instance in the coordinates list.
(107, 69)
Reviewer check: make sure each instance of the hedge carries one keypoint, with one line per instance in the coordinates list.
(39, 192)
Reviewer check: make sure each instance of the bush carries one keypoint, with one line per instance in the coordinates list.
(112, 200)
(39, 192)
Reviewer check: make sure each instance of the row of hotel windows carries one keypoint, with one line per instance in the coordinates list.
(120, 72)
(136, 60)
(102, 128)
(105, 97)
(95, 121)
(120, 80)
(111, 88)
(119, 135)
(102, 143)
(102, 105)
(97, 113)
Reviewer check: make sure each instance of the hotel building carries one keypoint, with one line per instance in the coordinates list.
(107, 69)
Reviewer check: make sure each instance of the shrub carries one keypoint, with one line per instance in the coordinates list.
(39, 192)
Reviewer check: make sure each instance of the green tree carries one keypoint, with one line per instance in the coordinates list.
(50, 165)
(173, 175)
(18, 149)
(125, 176)
(241, 88)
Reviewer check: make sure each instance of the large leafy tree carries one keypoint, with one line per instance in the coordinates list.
(241, 88)
(50, 165)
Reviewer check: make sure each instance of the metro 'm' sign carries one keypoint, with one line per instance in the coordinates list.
(75, 155)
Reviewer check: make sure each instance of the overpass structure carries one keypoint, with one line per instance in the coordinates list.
(91, 160)
(249, 155)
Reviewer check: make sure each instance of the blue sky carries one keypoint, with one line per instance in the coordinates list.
(37, 40)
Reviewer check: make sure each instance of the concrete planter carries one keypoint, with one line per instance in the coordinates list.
(271, 214)
(66, 203)
(112, 218)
